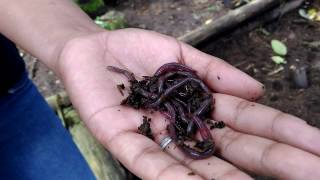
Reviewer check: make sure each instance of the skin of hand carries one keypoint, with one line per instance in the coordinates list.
(257, 138)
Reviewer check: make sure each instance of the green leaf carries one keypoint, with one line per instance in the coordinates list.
(111, 20)
(91, 6)
(279, 48)
(278, 60)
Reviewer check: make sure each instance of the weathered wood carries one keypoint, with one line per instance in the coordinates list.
(59, 100)
(281, 10)
(100, 161)
(228, 21)
(274, 14)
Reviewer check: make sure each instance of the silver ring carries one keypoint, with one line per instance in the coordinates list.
(165, 142)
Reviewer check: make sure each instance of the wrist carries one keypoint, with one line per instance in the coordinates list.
(42, 27)
(65, 40)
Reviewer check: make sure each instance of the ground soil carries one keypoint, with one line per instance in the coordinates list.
(250, 51)
(170, 17)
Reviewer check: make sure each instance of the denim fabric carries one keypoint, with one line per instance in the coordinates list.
(11, 65)
(33, 143)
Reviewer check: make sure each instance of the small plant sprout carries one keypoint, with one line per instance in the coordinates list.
(278, 60)
(280, 50)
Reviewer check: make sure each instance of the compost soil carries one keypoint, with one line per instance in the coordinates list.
(145, 128)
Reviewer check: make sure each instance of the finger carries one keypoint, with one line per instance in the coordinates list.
(265, 156)
(260, 120)
(139, 154)
(221, 76)
(115, 122)
(209, 168)
(145, 159)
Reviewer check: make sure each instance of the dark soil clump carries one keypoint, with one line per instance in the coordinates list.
(145, 129)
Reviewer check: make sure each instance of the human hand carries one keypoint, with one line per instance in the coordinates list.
(258, 138)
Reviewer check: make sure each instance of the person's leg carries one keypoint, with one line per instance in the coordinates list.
(33, 143)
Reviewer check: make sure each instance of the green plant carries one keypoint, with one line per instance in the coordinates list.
(111, 20)
(280, 50)
(91, 6)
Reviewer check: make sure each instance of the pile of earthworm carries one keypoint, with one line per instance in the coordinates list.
(177, 92)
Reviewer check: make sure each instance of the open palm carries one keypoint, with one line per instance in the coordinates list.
(257, 139)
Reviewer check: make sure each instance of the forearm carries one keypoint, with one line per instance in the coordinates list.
(42, 27)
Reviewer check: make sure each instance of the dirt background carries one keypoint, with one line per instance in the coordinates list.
(250, 51)
(246, 48)
(174, 18)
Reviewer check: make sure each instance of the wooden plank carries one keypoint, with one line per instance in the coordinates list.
(228, 21)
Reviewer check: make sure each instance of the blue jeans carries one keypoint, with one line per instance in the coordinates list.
(33, 143)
